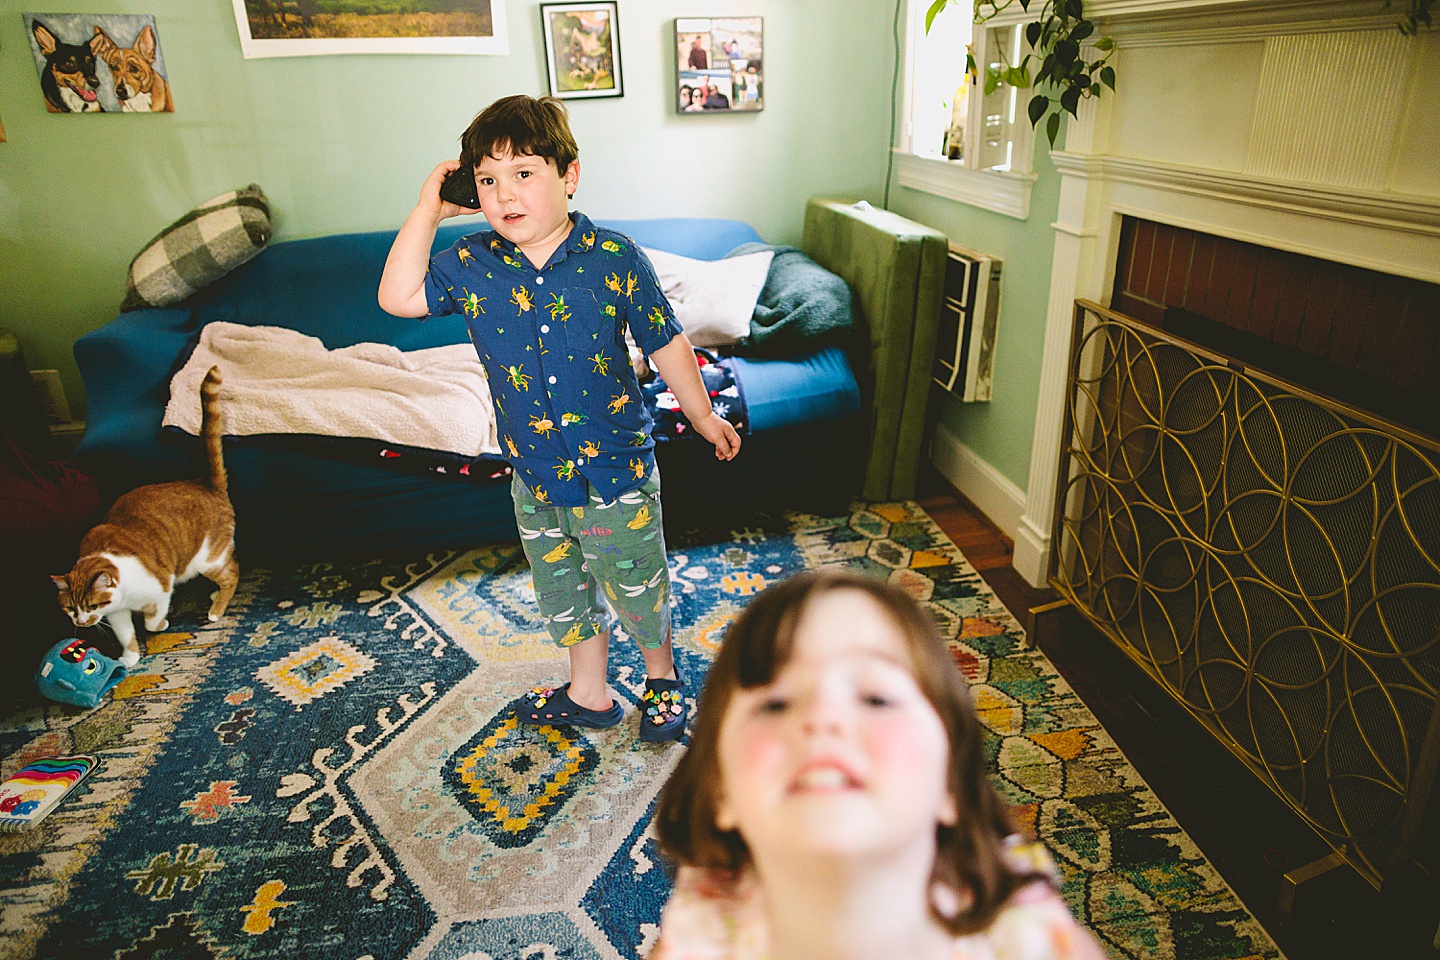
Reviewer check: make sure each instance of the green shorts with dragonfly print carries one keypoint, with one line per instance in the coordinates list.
(615, 548)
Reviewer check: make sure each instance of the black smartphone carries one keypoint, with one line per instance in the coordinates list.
(459, 188)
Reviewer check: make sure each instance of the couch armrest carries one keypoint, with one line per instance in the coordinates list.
(127, 365)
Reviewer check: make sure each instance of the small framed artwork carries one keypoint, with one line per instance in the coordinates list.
(299, 28)
(582, 49)
(719, 64)
(99, 62)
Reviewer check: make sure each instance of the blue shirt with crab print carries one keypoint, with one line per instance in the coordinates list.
(567, 405)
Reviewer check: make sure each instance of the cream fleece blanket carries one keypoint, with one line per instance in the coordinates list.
(281, 381)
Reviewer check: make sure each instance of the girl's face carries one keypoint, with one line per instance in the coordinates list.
(842, 754)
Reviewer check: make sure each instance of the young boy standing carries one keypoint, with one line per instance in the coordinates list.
(547, 297)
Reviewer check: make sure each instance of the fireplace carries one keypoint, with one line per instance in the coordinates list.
(1266, 551)
(1291, 145)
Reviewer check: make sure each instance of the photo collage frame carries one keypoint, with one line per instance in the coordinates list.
(719, 64)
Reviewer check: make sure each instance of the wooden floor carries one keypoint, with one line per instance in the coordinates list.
(1249, 835)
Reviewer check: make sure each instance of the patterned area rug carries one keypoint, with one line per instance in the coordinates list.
(334, 770)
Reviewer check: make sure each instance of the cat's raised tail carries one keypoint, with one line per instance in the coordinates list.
(210, 432)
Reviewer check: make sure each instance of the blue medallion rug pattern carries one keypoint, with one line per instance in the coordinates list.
(334, 770)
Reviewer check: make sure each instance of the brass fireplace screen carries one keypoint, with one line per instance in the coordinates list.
(1270, 558)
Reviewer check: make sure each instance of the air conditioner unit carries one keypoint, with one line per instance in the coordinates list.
(965, 345)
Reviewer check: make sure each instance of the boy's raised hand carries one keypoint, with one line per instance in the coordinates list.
(718, 431)
(402, 283)
(430, 193)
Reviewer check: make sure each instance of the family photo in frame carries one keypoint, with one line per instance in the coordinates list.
(582, 49)
(719, 64)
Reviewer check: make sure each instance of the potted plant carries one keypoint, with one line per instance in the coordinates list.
(1416, 13)
(1063, 76)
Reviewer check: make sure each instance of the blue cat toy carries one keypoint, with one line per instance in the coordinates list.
(76, 674)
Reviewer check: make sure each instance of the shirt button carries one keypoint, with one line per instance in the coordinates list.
(539, 279)
(580, 462)
(552, 379)
(545, 329)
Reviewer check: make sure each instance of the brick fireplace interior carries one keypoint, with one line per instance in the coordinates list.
(1365, 338)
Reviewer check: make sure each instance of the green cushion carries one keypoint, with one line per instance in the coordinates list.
(896, 268)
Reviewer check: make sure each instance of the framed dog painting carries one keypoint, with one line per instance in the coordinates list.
(99, 63)
(582, 49)
(719, 64)
(297, 28)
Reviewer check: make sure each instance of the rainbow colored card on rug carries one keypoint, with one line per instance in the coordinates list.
(37, 788)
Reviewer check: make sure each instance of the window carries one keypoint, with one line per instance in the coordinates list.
(957, 141)
(996, 145)
(938, 88)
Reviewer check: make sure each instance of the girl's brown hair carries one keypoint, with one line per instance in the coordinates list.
(521, 126)
(757, 646)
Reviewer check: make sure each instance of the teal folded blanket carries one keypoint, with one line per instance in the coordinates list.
(802, 308)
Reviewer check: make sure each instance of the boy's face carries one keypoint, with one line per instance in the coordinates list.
(525, 199)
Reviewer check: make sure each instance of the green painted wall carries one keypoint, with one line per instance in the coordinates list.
(343, 143)
(1000, 431)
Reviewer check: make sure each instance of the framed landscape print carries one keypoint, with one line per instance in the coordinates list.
(297, 28)
(582, 49)
(719, 64)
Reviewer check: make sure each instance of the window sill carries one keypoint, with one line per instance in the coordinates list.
(1007, 193)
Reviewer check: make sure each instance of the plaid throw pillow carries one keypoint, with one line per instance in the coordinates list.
(199, 248)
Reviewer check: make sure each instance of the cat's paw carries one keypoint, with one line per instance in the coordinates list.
(129, 658)
(157, 627)
(214, 617)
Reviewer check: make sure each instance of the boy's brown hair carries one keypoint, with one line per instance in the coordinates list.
(520, 126)
(969, 856)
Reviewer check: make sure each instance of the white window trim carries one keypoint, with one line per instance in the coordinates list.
(1004, 192)
(1007, 193)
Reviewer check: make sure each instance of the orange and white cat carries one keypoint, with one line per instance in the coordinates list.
(153, 538)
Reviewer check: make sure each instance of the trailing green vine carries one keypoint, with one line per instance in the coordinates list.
(1063, 76)
(1416, 13)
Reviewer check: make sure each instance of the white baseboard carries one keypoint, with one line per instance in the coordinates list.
(1032, 555)
(995, 494)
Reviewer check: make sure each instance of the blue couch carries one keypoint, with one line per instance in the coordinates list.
(806, 448)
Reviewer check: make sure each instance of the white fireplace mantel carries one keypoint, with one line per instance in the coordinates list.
(1304, 158)
(1165, 22)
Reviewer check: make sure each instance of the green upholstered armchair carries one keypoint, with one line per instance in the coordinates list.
(896, 270)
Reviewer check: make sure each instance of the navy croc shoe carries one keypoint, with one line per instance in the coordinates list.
(662, 709)
(545, 706)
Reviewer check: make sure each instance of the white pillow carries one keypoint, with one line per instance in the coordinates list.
(713, 299)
